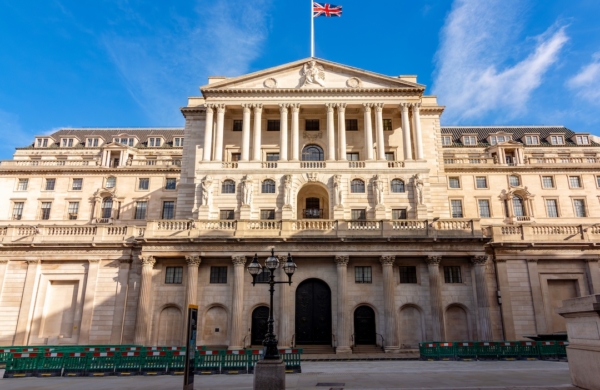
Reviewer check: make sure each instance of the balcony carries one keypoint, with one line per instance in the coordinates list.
(68, 234)
(546, 233)
(312, 213)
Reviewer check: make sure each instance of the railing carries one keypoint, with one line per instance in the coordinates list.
(48, 163)
(364, 225)
(472, 160)
(546, 233)
(269, 164)
(395, 164)
(333, 341)
(173, 225)
(229, 165)
(317, 224)
(312, 213)
(313, 164)
(409, 225)
(522, 218)
(217, 225)
(69, 234)
(103, 221)
(70, 230)
(293, 342)
(171, 162)
(563, 160)
(263, 225)
(356, 164)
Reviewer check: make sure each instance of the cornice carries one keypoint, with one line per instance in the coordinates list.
(95, 169)
(311, 91)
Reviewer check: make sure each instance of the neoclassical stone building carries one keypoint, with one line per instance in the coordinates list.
(402, 230)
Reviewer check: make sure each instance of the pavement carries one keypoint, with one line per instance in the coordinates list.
(522, 375)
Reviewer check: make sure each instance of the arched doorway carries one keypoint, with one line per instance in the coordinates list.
(169, 326)
(364, 326)
(411, 327)
(457, 324)
(260, 316)
(312, 153)
(313, 313)
(313, 202)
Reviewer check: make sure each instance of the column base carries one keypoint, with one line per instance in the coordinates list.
(338, 212)
(245, 212)
(269, 375)
(340, 350)
(380, 212)
(287, 212)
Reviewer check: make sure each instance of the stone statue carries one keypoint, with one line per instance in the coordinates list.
(287, 184)
(207, 191)
(418, 184)
(247, 190)
(378, 190)
(313, 74)
(337, 189)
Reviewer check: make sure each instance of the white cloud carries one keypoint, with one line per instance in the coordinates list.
(586, 83)
(480, 67)
(14, 136)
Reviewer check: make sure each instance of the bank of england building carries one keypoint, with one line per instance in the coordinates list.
(403, 230)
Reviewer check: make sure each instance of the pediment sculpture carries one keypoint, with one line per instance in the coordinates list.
(312, 73)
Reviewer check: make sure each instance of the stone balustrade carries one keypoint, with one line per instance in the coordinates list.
(488, 161)
(69, 234)
(546, 233)
(49, 163)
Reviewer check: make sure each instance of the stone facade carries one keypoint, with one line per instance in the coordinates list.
(402, 230)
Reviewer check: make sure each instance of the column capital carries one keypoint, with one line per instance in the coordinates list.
(193, 260)
(257, 107)
(416, 106)
(238, 260)
(93, 260)
(147, 260)
(210, 108)
(295, 107)
(387, 260)
(497, 260)
(220, 108)
(480, 260)
(378, 107)
(405, 106)
(433, 260)
(342, 260)
(283, 108)
(33, 261)
(342, 107)
(4, 261)
(330, 106)
(367, 106)
(246, 108)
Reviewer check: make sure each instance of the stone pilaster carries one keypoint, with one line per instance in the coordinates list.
(505, 299)
(379, 128)
(536, 295)
(26, 311)
(191, 287)
(295, 131)
(283, 132)
(483, 298)
(3, 272)
(116, 336)
(257, 144)
(406, 139)
(418, 132)
(368, 131)
(341, 107)
(246, 132)
(593, 276)
(389, 303)
(285, 315)
(330, 132)
(343, 320)
(435, 296)
(144, 302)
(236, 340)
(219, 137)
(208, 132)
(88, 301)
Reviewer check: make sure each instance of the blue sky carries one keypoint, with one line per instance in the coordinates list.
(133, 63)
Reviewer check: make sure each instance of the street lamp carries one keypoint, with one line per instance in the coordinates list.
(255, 269)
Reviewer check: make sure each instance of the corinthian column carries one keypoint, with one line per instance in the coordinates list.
(246, 133)
(283, 132)
(26, 309)
(417, 127)
(237, 315)
(191, 288)
(483, 299)
(295, 131)
(143, 311)
(406, 132)
(330, 132)
(341, 131)
(208, 131)
(435, 297)
(379, 127)
(389, 302)
(285, 310)
(368, 131)
(343, 322)
(219, 139)
(256, 146)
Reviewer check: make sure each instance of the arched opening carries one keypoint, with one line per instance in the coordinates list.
(411, 327)
(214, 331)
(107, 205)
(364, 326)
(313, 202)
(169, 326)
(457, 324)
(312, 153)
(313, 313)
(260, 316)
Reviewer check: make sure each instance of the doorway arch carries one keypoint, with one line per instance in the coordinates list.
(313, 202)
(313, 153)
(313, 313)
(169, 326)
(364, 326)
(260, 318)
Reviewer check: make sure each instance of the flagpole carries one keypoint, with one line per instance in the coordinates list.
(312, 30)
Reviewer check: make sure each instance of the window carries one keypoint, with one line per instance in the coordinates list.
(452, 274)
(168, 211)
(153, 141)
(268, 186)
(575, 181)
(359, 214)
(218, 275)
(518, 206)
(357, 186)
(398, 186)
(362, 275)
(73, 210)
(92, 142)
(173, 275)
(496, 139)
(557, 140)
(226, 215)
(42, 143)
(144, 184)
(171, 183)
(579, 205)
(106, 208)
(178, 142)
(264, 276)
(50, 184)
(238, 124)
(77, 184)
(67, 142)
(387, 125)
(228, 187)
(481, 182)
(312, 125)
(236, 156)
(17, 212)
(111, 182)
(140, 209)
(598, 180)
(273, 125)
(312, 153)
(532, 140)
(454, 182)
(46, 206)
(514, 181)
(408, 274)
(446, 140)
(470, 140)
(351, 124)
(551, 208)
(399, 214)
(389, 156)
(456, 208)
(23, 183)
(582, 140)
(484, 208)
(547, 182)
(272, 156)
(353, 156)
(267, 214)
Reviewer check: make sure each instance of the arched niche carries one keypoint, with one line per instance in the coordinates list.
(315, 196)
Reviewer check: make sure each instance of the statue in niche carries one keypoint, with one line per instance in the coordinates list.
(247, 190)
(313, 74)
(378, 189)
(337, 190)
(287, 185)
(418, 185)
(207, 191)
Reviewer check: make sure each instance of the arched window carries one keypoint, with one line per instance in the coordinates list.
(268, 187)
(514, 180)
(111, 182)
(397, 185)
(107, 204)
(228, 187)
(518, 206)
(357, 186)
(312, 153)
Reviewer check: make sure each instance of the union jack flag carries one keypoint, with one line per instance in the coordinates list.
(327, 10)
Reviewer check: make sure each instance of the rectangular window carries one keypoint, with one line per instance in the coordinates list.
(362, 275)
(77, 184)
(171, 183)
(557, 140)
(50, 183)
(267, 214)
(446, 140)
(178, 142)
(598, 180)
(226, 215)
(470, 140)
(218, 275)
(456, 206)
(389, 156)
(408, 274)
(454, 182)
(551, 208)
(272, 156)
(351, 124)
(173, 275)
(575, 181)
(399, 214)
(236, 156)
(17, 213)
(45, 211)
(264, 276)
(484, 208)
(547, 181)
(532, 140)
(67, 142)
(140, 210)
(111, 182)
(168, 211)
(452, 274)
(583, 140)
(93, 142)
(359, 214)
(73, 210)
(153, 142)
(273, 124)
(579, 205)
(312, 125)
(23, 183)
(238, 124)
(144, 183)
(387, 125)
(353, 156)
(481, 182)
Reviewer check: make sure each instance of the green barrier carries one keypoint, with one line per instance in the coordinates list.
(487, 350)
(466, 350)
(21, 365)
(548, 350)
(128, 364)
(176, 363)
(428, 351)
(446, 351)
(100, 363)
(50, 364)
(6, 354)
(291, 357)
(561, 350)
(528, 350)
(234, 362)
(208, 362)
(254, 355)
(155, 363)
(75, 364)
(508, 350)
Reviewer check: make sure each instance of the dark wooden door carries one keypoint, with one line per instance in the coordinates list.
(313, 312)
(260, 316)
(364, 325)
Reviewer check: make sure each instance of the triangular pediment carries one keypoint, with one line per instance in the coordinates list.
(311, 73)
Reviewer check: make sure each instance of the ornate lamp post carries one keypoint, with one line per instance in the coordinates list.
(255, 269)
